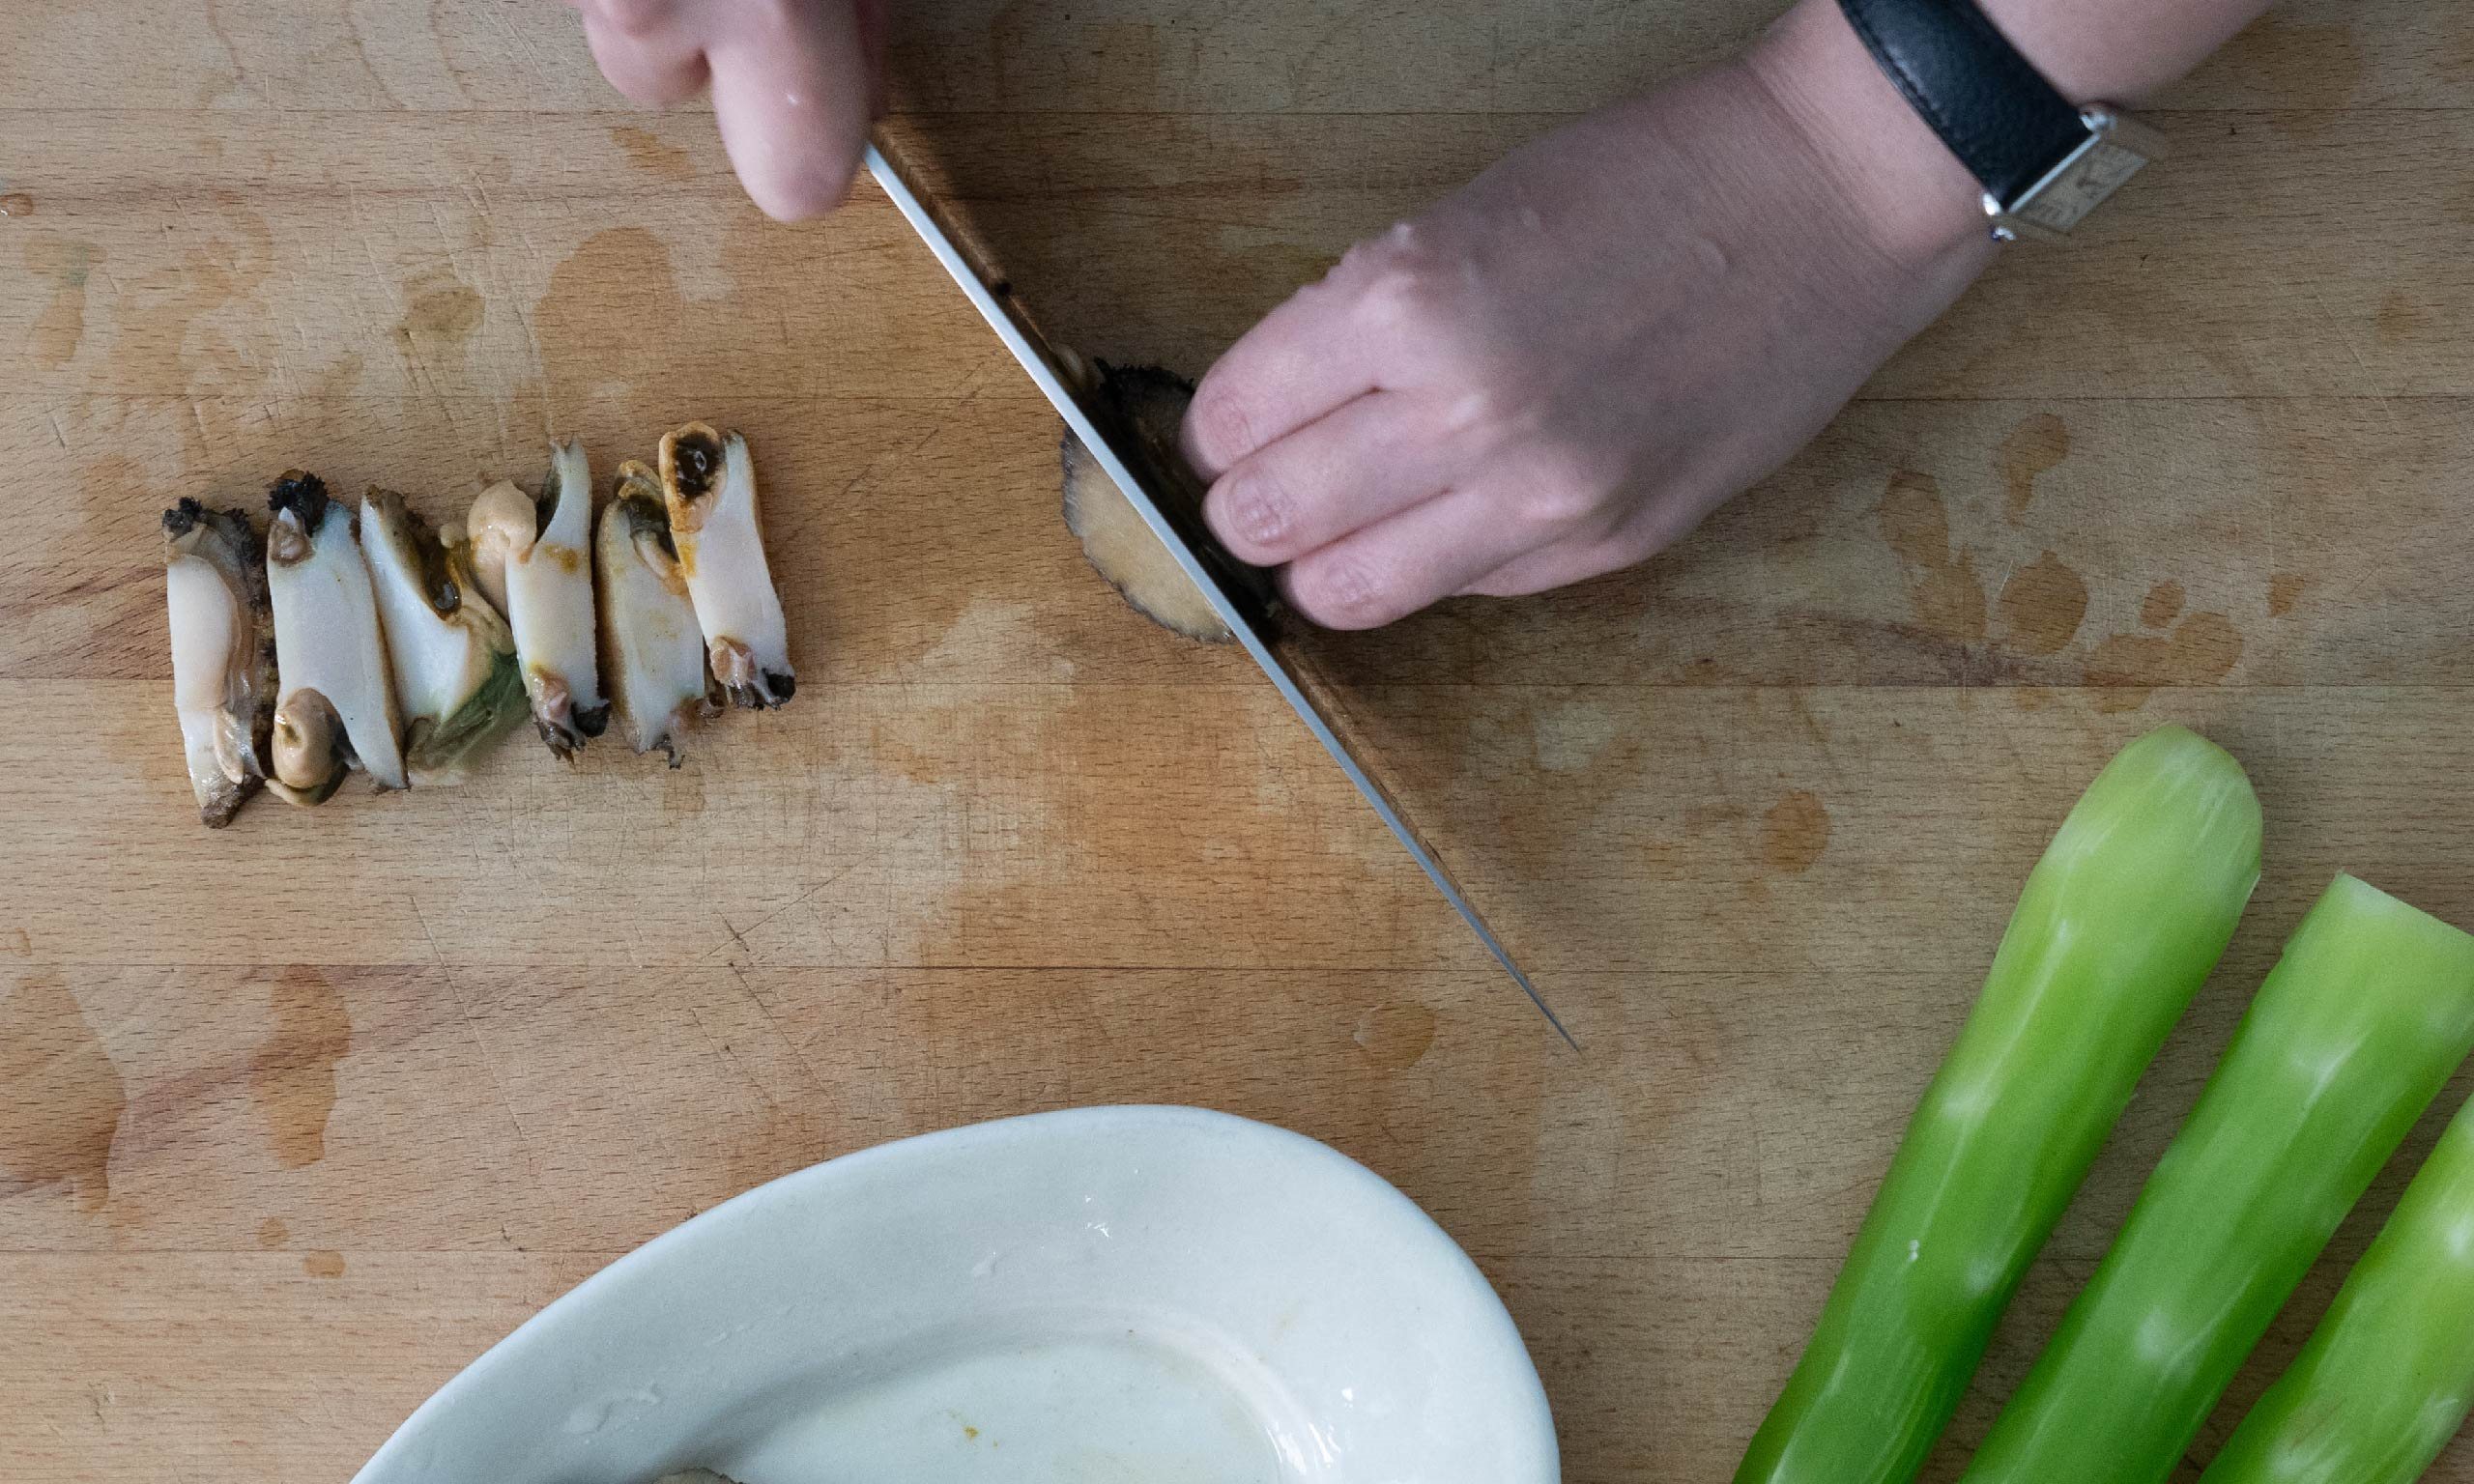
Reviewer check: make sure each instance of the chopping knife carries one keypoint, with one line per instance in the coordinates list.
(1236, 592)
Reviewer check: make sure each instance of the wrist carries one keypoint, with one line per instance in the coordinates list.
(1909, 193)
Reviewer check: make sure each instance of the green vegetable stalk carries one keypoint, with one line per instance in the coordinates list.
(2352, 1034)
(2386, 1378)
(2120, 921)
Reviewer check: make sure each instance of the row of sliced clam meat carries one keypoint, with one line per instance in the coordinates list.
(345, 640)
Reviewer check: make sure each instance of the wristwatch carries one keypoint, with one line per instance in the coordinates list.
(2044, 163)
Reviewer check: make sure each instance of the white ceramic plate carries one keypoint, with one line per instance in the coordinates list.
(1156, 1295)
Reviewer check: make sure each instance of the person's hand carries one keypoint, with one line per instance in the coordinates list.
(1560, 370)
(796, 82)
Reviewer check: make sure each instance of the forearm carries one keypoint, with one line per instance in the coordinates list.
(2118, 52)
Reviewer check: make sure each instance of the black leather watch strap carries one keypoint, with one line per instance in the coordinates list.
(2006, 124)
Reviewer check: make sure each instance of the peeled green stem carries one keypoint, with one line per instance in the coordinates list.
(2117, 925)
(454, 656)
(652, 652)
(709, 481)
(2386, 1379)
(328, 649)
(2353, 1032)
(223, 682)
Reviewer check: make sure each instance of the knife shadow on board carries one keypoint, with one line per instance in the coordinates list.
(1137, 508)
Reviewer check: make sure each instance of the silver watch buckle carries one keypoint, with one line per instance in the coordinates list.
(2116, 148)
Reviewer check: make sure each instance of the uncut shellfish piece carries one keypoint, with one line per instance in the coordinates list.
(537, 552)
(223, 682)
(1139, 409)
(709, 481)
(454, 656)
(337, 708)
(652, 650)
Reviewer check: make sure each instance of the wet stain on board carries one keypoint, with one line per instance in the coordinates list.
(1794, 833)
(1394, 1037)
(293, 1080)
(2401, 319)
(323, 1265)
(61, 326)
(448, 310)
(590, 320)
(272, 1234)
(171, 335)
(64, 1096)
(2203, 649)
(2042, 604)
(2284, 591)
(17, 204)
(1943, 587)
(2162, 605)
(653, 155)
(2035, 447)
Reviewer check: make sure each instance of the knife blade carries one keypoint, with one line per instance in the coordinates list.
(1210, 570)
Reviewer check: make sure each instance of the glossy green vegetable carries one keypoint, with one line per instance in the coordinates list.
(2385, 1380)
(2118, 924)
(2352, 1034)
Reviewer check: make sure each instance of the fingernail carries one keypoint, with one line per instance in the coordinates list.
(1259, 514)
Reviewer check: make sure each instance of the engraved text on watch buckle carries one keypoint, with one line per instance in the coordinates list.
(2115, 150)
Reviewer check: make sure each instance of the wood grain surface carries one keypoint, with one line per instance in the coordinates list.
(298, 1118)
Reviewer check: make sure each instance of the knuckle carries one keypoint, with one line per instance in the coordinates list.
(1555, 505)
(1481, 410)
(1402, 278)
(1565, 491)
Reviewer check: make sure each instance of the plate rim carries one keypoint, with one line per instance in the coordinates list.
(1530, 1412)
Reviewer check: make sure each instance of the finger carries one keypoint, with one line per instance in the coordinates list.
(1305, 358)
(1394, 567)
(1348, 469)
(652, 67)
(794, 92)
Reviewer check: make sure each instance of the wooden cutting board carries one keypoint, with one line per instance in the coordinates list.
(297, 1118)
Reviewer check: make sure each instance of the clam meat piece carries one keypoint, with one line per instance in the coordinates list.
(652, 652)
(214, 583)
(537, 553)
(1141, 409)
(454, 656)
(709, 481)
(337, 708)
